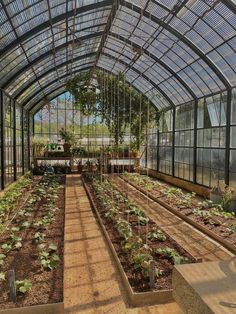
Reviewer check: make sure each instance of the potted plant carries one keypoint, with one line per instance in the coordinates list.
(39, 147)
(68, 138)
(229, 199)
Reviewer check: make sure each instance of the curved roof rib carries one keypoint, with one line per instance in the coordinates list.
(171, 51)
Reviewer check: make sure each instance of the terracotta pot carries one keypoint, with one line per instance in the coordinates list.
(67, 148)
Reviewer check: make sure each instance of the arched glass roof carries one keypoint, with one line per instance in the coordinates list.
(173, 51)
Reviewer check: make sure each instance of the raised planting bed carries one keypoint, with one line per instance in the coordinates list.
(145, 254)
(203, 214)
(31, 249)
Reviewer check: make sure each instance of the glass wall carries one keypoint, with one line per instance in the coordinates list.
(89, 131)
(8, 140)
(152, 148)
(211, 139)
(26, 138)
(60, 113)
(184, 141)
(208, 156)
(18, 119)
(232, 164)
(165, 142)
(11, 141)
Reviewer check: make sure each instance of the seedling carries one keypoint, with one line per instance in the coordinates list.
(112, 212)
(39, 237)
(133, 244)
(156, 234)
(177, 259)
(23, 286)
(2, 276)
(143, 220)
(49, 258)
(24, 225)
(6, 247)
(124, 229)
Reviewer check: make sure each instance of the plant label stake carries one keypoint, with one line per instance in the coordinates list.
(152, 275)
(12, 285)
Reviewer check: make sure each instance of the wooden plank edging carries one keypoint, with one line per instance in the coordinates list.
(52, 308)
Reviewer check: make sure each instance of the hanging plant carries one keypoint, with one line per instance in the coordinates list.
(120, 106)
(85, 95)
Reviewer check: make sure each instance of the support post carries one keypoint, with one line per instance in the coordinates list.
(23, 141)
(14, 140)
(227, 145)
(2, 131)
(173, 142)
(28, 137)
(158, 150)
(195, 141)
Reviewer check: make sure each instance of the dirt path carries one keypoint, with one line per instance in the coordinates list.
(91, 280)
(195, 242)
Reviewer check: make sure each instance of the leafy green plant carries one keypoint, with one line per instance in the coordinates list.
(227, 198)
(232, 228)
(156, 234)
(133, 243)
(24, 225)
(201, 213)
(10, 198)
(67, 136)
(188, 198)
(23, 286)
(174, 255)
(112, 212)
(142, 259)
(39, 237)
(143, 220)
(48, 257)
(15, 241)
(6, 247)
(2, 276)
(124, 229)
(134, 210)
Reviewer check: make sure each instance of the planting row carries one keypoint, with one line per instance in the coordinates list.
(31, 245)
(143, 249)
(13, 198)
(215, 217)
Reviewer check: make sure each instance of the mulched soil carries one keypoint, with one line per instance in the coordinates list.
(138, 282)
(216, 224)
(47, 286)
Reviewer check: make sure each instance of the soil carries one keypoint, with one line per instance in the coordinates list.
(137, 280)
(47, 286)
(216, 224)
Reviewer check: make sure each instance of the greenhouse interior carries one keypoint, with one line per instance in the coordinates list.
(117, 156)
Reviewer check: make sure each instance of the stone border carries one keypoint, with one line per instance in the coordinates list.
(135, 298)
(193, 223)
(52, 308)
